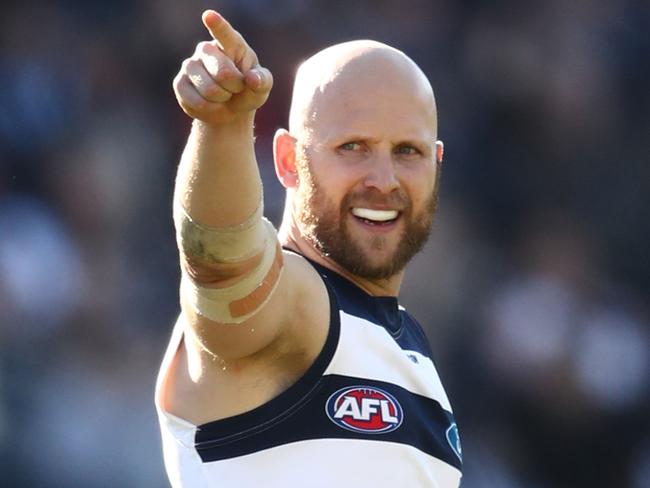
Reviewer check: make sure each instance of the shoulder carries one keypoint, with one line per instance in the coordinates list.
(231, 386)
(308, 321)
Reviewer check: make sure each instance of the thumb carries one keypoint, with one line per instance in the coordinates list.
(258, 86)
(258, 79)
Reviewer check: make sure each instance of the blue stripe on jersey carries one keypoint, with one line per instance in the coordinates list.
(424, 425)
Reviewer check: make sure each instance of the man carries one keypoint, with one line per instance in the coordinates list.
(295, 366)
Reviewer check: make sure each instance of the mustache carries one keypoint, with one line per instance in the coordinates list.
(397, 200)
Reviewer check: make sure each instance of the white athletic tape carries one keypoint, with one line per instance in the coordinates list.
(219, 245)
(237, 303)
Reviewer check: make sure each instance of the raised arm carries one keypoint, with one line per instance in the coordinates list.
(232, 264)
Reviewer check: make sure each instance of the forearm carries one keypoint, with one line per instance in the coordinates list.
(230, 256)
(218, 182)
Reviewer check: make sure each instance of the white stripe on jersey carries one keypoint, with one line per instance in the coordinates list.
(344, 463)
(182, 461)
(388, 362)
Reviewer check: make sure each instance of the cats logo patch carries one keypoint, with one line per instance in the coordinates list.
(454, 440)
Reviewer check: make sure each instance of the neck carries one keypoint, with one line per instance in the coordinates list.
(291, 238)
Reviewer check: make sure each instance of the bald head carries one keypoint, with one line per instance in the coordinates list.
(332, 80)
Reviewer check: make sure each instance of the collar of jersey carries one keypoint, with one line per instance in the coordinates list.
(383, 310)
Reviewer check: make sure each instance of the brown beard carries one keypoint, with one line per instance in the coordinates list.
(326, 227)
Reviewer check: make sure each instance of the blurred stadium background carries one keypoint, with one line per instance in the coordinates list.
(534, 288)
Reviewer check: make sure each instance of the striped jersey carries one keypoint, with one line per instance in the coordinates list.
(370, 411)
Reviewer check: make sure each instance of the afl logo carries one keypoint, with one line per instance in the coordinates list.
(364, 409)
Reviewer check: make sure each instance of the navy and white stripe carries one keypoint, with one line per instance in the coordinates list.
(292, 441)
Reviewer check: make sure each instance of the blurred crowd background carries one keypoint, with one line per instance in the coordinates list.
(534, 288)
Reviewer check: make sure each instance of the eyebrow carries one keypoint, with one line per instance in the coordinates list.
(343, 138)
(423, 145)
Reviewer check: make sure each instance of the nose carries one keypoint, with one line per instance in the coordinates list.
(381, 175)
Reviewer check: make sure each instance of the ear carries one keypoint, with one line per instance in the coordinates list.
(284, 157)
(440, 150)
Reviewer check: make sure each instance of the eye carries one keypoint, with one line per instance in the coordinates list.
(406, 150)
(350, 146)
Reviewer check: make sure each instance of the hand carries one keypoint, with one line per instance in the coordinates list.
(223, 80)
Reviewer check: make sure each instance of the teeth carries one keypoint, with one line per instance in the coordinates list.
(374, 215)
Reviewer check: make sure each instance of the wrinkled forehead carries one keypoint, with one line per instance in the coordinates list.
(359, 84)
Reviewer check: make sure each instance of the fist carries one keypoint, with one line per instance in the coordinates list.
(223, 79)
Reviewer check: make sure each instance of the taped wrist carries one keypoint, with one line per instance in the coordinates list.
(252, 243)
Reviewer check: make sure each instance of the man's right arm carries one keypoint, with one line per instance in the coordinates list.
(230, 257)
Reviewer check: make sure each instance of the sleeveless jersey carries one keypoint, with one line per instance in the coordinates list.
(370, 411)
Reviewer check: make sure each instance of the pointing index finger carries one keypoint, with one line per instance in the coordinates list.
(221, 31)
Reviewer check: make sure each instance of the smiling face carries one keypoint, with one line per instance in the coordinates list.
(370, 234)
(366, 160)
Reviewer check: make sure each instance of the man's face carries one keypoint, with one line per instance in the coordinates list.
(368, 178)
(372, 250)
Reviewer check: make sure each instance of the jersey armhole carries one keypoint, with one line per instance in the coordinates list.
(275, 410)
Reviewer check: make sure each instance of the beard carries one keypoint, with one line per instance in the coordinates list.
(327, 228)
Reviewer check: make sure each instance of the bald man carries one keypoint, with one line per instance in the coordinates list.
(292, 363)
